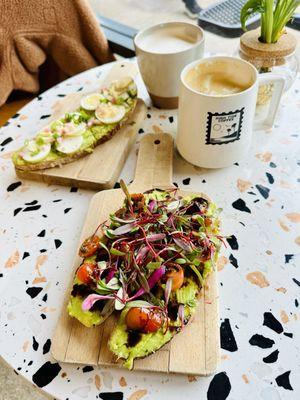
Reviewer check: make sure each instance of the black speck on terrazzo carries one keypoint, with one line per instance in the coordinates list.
(32, 208)
(33, 291)
(17, 210)
(46, 346)
(288, 258)
(25, 255)
(272, 323)
(228, 341)
(240, 205)
(31, 203)
(271, 358)
(261, 341)
(42, 233)
(111, 395)
(219, 387)
(13, 186)
(57, 243)
(186, 181)
(296, 281)
(45, 116)
(270, 178)
(35, 344)
(87, 368)
(6, 141)
(264, 191)
(233, 261)
(46, 373)
(283, 380)
(233, 243)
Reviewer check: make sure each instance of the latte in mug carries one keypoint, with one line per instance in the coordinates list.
(216, 79)
(166, 40)
(162, 51)
(216, 110)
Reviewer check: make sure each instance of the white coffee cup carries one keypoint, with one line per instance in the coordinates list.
(162, 51)
(214, 130)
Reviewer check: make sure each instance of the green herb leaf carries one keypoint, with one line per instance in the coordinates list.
(180, 261)
(116, 252)
(153, 265)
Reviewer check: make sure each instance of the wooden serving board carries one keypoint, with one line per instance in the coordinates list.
(100, 169)
(195, 350)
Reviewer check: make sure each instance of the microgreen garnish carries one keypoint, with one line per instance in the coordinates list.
(150, 237)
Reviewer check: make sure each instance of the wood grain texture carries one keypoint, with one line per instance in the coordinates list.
(100, 169)
(195, 350)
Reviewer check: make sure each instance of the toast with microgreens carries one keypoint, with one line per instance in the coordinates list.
(147, 263)
(76, 134)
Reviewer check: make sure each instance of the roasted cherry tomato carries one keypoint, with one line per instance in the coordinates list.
(175, 272)
(89, 246)
(143, 319)
(85, 272)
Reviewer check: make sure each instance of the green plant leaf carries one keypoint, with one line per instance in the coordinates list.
(250, 8)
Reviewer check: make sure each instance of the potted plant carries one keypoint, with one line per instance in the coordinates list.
(270, 48)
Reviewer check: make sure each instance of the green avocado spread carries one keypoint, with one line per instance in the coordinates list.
(130, 345)
(94, 131)
(87, 318)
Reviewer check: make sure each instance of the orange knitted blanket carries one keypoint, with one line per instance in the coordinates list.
(35, 31)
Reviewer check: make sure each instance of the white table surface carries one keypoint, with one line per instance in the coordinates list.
(259, 280)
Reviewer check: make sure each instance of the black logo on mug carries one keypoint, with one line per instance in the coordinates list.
(224, 127)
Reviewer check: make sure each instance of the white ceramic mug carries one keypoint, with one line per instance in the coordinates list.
(215, 131)
(162, 51)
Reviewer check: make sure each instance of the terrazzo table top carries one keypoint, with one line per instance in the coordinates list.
(259, 280)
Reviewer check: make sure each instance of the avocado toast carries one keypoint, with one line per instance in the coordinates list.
(148, 262)
(77, 133)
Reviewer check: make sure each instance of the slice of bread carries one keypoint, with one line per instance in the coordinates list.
(75, 156)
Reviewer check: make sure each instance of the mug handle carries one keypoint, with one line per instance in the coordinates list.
(279, 83)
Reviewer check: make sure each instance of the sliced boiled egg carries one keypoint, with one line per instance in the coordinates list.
(71, 129)
(33, 153)
(121, 84)
(91, 101)
(69, 144)
(109, 113)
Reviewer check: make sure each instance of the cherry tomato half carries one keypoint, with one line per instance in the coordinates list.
(143, 319)
(89, 246)
(85, 272)
(177, 275)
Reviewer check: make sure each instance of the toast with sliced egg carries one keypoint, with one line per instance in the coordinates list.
(77, 133)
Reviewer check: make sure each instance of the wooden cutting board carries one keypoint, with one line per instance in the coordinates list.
(193, 351)
(100, 169)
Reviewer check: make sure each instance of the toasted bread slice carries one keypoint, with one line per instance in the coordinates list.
(97, 129)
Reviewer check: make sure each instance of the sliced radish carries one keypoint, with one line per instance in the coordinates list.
(69, 145)
(33, 153)
(91, 101)
(109, 113)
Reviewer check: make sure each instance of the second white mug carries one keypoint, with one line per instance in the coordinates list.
(162, 51)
